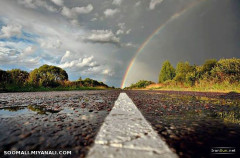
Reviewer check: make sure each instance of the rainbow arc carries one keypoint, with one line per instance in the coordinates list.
(151, 36)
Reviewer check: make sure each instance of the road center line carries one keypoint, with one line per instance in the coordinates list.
(126, 133)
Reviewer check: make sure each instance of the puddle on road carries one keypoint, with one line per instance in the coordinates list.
(24, 110)
(14, 111)
(33, 110)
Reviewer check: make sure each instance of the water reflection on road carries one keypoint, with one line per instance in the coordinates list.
(192, 124)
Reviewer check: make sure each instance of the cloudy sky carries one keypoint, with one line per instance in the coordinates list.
(99, 38)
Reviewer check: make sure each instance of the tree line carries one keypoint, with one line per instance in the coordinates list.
(140, 84)
(211, 72)
(46, 76)
(219, 74)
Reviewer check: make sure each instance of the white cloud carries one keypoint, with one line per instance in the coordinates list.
(100, 70)
(122, 26)
(74, 12)
(11, 56)
(37, 3)
(122, 29)
(66, 56)
(74, 22)
(72, 60)
(50, 43)
(138, 3)
(27, 3)
(58, 2)
(79, 63)
(102, 36)
(46, 6)
(52, 35)
(111, 12)
(93, 19)
(28, 51)
(11, 30)
(75, 63)
(67, 12)
(129, 44)
(86, 65)
(153, 3)
(128, 31)
(107, 72)
(83, 10)
(119, 32)
(7, 52)
(117, 2)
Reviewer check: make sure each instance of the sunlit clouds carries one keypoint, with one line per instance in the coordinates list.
(98, 39)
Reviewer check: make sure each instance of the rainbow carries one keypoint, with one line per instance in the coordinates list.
(150, 37)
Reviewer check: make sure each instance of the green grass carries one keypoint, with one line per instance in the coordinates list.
(202, 87)
(212, 88)
(45, 89)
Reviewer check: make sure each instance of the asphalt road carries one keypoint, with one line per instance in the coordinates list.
(193, 124)
(190, 123)
(55, 121)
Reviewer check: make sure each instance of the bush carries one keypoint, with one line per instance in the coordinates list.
(47, 76)
(227, 69)
(44, 78)
(141, 84)
(208, 65)
(92, 83)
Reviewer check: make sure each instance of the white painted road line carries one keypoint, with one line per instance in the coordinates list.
(125, 133)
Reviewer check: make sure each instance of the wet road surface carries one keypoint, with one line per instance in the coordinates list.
(192, 123)
(53, 121)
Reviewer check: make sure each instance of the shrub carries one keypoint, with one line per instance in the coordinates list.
(227, 69)
(92, 83)
(141, 84)
(208, 65)
(47, 76)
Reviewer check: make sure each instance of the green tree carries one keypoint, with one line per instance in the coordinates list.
(48, 76)
(18, 77)
(4, 79)
(167, 72)
(88, 82)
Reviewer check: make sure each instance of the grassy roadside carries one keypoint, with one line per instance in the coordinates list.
(196, 90)
(212, 88)
(47, 89)
(213, 76)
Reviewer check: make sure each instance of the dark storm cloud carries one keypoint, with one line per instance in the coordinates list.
(209, 30)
